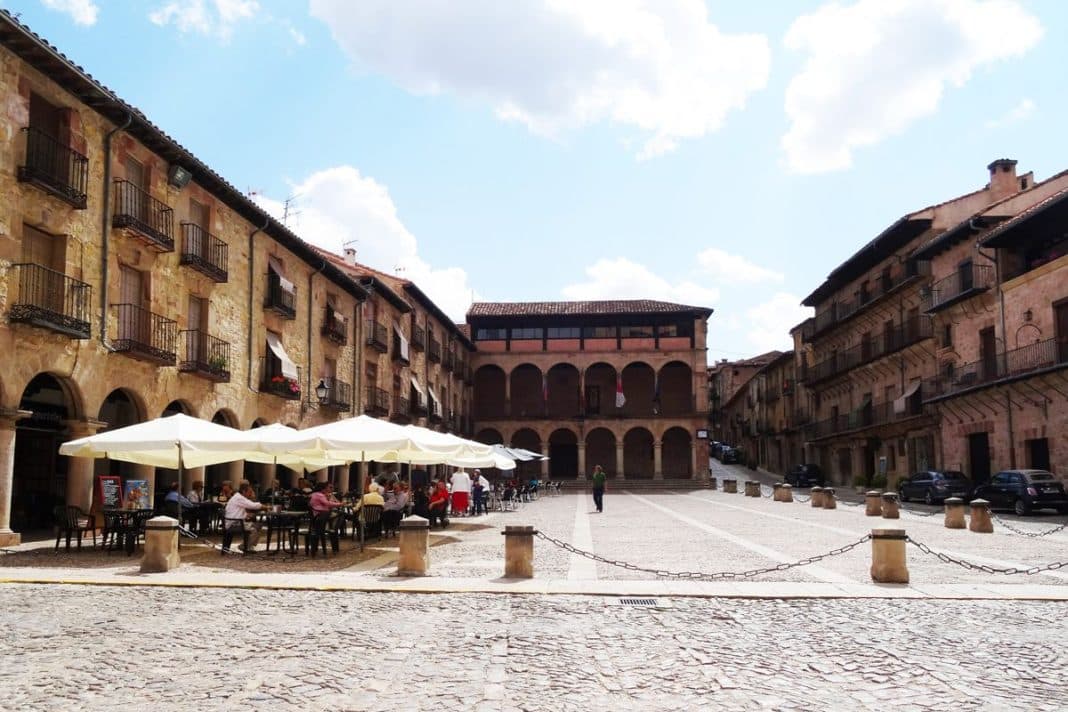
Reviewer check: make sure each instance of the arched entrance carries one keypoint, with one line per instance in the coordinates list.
(563, 454)
(214, 475)
(676, 389)
(529, 440)
(676, 450)
(39, 480)
(639, 383)
(600, 390)
(489, 436)
(118, 410)
(526, 391)
(601, 450)
(165, 476)
(563, 383)
(638, 453)
(489, 392)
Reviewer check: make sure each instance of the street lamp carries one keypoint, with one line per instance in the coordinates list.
(321, 390)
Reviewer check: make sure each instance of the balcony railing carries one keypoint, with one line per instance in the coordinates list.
(401, 409)
(377, 336)
(204, 252)
(335, 326)
(872, 415)
(55, 168)
(418, 406)
(901, 336)
(1013, 364)
(433, 351)
(448, 361)
(338, 395)
(418, 337)
(144, 335)
(377, 401)
(140, 213)
(206, 356)
(278, 299)
(839, 312)
(52, 300)
(957, 287)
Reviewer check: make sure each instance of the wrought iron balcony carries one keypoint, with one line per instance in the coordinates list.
(962, 284)
(377, 336)
(1009, 365)
(901, 336)
(338, 395)
(433, 351)
(335, 326)
(55, 168)
(401, 410)
(418, 337)
(871, 415)
(144, 335)
(278, 299)
(51, 300)
(204, 252)
(206, 356)
(418, 406)
(277, 384)
(143, 216)
(448, 361)
(377, 401)
(435, 415)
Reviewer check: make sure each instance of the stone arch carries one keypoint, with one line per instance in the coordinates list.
(225, 416)
(675, 381)
(639, 382)
(178, 405)
(258, 423)
(599, 384)
(121, 407)
(529, 439)
(71, 394)
(638, 457)
(525, 390)
(563, 454)
(601, 450)
(562, 380)
(489, 387)
(489, 436)
(676, 453)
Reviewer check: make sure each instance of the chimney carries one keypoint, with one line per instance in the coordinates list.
(1003, 181)
(350, 256)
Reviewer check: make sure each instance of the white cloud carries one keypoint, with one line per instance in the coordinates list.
(726, 268)
(206, 17)
(876, 66)
(658, 66)
(620, 278)
(338, 205)
(83, 12)
(1022, 111)
(768, 324)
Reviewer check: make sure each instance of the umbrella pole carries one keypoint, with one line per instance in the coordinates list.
(181, 473)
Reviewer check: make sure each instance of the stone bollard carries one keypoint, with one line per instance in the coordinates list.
(981, 522)
(414, 536)
(889, 504)
(873, 505)
(776, 492)
(730, 486)
(161, 545)
(829, 501)
(712, 483)
(519, 552)
(816, 497)
(787, 493)
(752, 489)
(888, 556)
(955, 513)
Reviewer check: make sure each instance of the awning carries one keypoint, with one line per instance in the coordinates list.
(435, 403)
(289, 369)
(276, 267)
(901, 404)
(402, 341)
(419, 391)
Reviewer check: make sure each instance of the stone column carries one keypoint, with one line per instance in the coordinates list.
(191, 475)
(954, 513)
(981, 522)
(888, 556)
(342, 479)
(619, 460)
(414, 542)
(8, 418)
(581, 460)
(544, 469)
(658, 460)
(161, 545)
(80, 469)
(235, 472)
(519, 552)
(889, 506)
(322, 475)
(507, 395)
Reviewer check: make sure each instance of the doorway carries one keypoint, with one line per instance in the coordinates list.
(40, 479)
(979, 457)
(1038, 453)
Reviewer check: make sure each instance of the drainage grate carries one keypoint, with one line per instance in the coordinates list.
(641, 602)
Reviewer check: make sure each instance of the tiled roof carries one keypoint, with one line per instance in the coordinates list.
(1056, 198)
(761, 360)
(615, 307)
(358, 271)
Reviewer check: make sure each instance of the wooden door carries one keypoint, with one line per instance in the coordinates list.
(136, 199)
(197, 325)
(988, 355)
(1060, 320)
(198, 238)
(133, 318)
(42, 287)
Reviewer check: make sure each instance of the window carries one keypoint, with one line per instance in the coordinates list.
(599, 332)
(41, 248)
(947, 336)
(668, 330)
(491, 334)
(636, 332)
(564, 332)
(529, 332)
(370, 372)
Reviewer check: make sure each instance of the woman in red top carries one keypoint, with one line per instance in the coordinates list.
(439, 501)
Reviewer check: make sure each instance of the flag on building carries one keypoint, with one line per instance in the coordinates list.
(620, 398)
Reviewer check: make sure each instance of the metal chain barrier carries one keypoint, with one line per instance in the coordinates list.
(218, 547)
(1024, 532)
(697, 575)
(1011, 570)
(802, 499)
(918, 513)
(847, 503)
(767, 493)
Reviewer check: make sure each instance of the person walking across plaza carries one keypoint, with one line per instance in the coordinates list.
(598, 487)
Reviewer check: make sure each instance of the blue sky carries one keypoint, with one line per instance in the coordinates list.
(726, 154)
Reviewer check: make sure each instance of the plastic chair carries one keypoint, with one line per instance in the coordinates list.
(72, 521)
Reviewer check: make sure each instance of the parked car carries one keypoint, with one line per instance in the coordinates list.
(807, 475)
(729, 455)
(933, 486)
(1024, 491)
(713, 448)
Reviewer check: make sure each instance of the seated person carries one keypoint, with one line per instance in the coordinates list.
(239, 509)
(226, 491)
(175, 503)
(373, 495)
(439, 504)
(393, 509)
(274, 492)
(322, 500)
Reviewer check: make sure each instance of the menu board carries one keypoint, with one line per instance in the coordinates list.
(136, 494)
(109, 491)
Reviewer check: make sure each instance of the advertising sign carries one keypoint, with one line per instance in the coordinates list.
(136, 494)
(109, 491)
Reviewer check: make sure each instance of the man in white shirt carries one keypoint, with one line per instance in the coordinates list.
(461, 492)
(238, 509)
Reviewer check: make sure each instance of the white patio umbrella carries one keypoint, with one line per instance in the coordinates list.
(255, 440)
(448, 449)
(356, 439)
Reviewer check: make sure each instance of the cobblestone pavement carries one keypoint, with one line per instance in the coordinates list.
(104, 648)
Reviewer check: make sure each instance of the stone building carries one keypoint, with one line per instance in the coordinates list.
(621, 384)
(725, 380)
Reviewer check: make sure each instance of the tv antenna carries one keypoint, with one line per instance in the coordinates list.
(289, 209)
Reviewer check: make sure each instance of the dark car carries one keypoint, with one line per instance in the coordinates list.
(933, 486)
(808, 475)
(729, 455)
(1024, 491)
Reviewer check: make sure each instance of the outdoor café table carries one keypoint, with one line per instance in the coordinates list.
(285, 524)
(210, 515)
(126, 525)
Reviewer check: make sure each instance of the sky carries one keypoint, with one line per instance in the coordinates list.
(720, 154)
